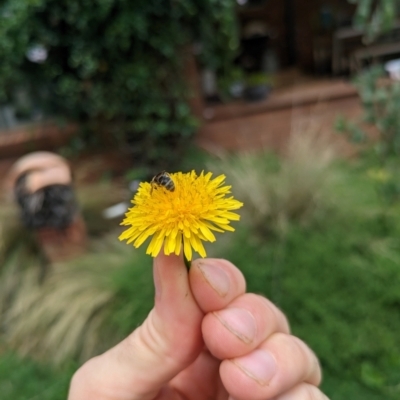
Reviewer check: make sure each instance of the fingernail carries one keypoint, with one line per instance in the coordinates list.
(238, 321)
(216, 277)
(259, 365)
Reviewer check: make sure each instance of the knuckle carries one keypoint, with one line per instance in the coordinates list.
(270, 309)
(313, 393)
(280, 317)
(289, 344)
(82, 379)
(313, 374)
(295, 357)
(303, 391)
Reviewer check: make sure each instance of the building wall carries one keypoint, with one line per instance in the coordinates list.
(310, 36)
(316, 21)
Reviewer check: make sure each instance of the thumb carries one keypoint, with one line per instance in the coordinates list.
(167, 342)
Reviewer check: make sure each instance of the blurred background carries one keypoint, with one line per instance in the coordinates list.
(297, 103)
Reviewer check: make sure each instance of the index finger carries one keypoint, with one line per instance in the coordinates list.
(215, 283)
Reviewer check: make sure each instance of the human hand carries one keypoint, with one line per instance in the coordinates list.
(204, 339)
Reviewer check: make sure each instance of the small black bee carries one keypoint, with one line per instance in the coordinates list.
(163, 179)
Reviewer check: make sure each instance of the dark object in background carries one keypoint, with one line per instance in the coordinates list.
(258, 86)
(257, 93)
(253, 52)
(41, 185)
(52, 206)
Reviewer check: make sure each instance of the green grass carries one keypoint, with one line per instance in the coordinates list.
(339, 285)
(337, 277)
(23, 379)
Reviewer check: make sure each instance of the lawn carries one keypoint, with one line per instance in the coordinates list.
(334, 268)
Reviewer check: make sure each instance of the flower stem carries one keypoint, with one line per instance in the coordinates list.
(187, 262)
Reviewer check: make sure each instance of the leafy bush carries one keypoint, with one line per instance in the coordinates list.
(375, 17)
(118, 63)
(381, 101)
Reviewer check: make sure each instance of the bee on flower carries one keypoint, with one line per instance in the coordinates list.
(180, 210)
(163, 179)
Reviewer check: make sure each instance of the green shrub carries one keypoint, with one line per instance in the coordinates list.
(118, 63)
(375, 17)
(381, 101)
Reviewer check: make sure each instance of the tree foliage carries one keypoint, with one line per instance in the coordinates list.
(114, 60)
(375, 17)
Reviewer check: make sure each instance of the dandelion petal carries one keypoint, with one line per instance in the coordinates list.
(187, 248)
(186, 217)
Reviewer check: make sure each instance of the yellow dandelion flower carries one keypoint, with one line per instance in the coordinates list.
(186, 216)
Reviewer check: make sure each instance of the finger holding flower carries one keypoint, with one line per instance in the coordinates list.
(205, 337)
